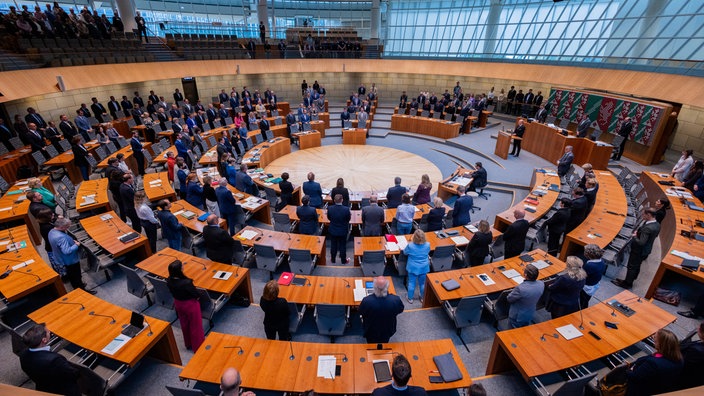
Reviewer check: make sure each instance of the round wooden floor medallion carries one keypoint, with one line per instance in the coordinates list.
(363, 167)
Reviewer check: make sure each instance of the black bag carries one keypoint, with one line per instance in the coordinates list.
(614, 383)
(671, 297)
(240, 301)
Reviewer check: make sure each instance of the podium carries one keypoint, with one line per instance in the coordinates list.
(354, 136)
(503, 141)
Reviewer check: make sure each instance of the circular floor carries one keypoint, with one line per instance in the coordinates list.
(363, 167)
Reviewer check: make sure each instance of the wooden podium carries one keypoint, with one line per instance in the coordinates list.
(354, 136)
(503, 141)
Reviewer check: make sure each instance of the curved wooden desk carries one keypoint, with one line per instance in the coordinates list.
(129, 158)
(106, 233)
(10, 162)
(14, 207)
(67, 320)
(308, 140)
(425, 126)
(265, 364)
(92, 195)
(34, 276)
(264, 153)
(259, 207)
(193, 224)
(283, 241)
(606, 218)
(354, 136)
(541, 180)
(326, 290)
(158, 187)
(65, 160)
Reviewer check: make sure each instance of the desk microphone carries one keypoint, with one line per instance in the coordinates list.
(168, 255)
(205, 267)
(636, 298)
(347, 284)
(150, 329)
(119, 231)
(92, 313)
(241, 351)
(554, 335)
(466, 273)
(613, 311)
(64, 302)
(292, 357)
(8, 271)
(29, 273)
(306, 279)
(237, 268)
(344, 355)
(581, 318)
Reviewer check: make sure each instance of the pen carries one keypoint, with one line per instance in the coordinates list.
(433, 371)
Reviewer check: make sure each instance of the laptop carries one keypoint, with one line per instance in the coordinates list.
(136, 325)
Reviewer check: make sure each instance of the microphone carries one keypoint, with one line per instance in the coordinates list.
(119, 231)
(237, 268)
(306, 279)
(169, 255)
(636, 298)
(347, 284)
(344, 355)
(92, 313)
(205, 267)
(28, 273)
(466, 273)
(241, 351)
(64, 302)
(150, 329)
(613, 311)
(581, 318)
(292, 357)
(554, 335)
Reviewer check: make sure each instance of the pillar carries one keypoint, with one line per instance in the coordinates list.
(127, 11)
(263, 15)
(648, 28)
(375, 20)
(492, 22)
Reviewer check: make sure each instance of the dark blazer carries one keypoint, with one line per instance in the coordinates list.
(307, 219)
(50, 372)
(578, 212)
(626, 129)
(339, 216)
(591, 198)
(114, 107)
(286, 192)
(264, 125)
(435, 217)
(394, 195)
(477, 248)
(565, 291)
(315, 192)
(515, 238)
(563, 165)
(342, 191)
(226, 202)
(520, 130)
(170, 227)
(460, 212)
(275, 313)
(372, 219)
(136, 148)
(642, 244)
(194, 195)
(182, 289)
(693, 354)
(651, 375)
(379, 315)
(557, 223)
(68, 129)
(80, 155)
(37, 142)
(479, 178)
(218, 244)
(127, 196)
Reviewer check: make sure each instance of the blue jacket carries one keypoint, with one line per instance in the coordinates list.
(307, 219)
(315, 192)
(418, 263)
(64, 248)
(181, 149)
(231, 175)
(393, 196)
(339, 216)
(460, 212)
(379, 315)
(170, 227)
(523, 299)
(244, 183)
(182, 174)
(194, 195)
(226, 202)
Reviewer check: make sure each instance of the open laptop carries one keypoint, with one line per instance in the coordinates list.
(136, 325)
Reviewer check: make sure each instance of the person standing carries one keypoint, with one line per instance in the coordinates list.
(517, 138)
(372, 218)
(276, 313)
(422, 194)
(395, 193)
(681, 169)
(286, 188)
(127, 194)
(170, 227)
(583, 127)
(524, 297)
(418, 264)
(146, 217)
(339, 216)
(463, 205)
(624, 132)
(595, 268)
(578, 209)
(137, 152)
(227, 205)
(379, 311)
(478, 247)
(436, 215)
(404, 216)
(141, 27)
(187, 305)
(641, 246)
(557, 224)
(80, 157)
(312, 189)
(564, 291)
(564, 163)
(400, 374)
(218, 243)
(66, 253)
(50, 371)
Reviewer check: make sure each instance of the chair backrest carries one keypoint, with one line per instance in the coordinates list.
(269, 134)
(248, 140)
(207, 307)
(122, 141)
(89, 381)
(157, 149)
(52, 151)
(16, 142)
(65, 144)
(240, 147)
(347, 124)
(4, 185)
(502, 306)
(211, 141)
(497, 248)
(111, 146)
(162, 294)
(301, 261)
(278, 120)
(373, 262)
(135, 284)
(91, 160)
(294, 316)
(442, 258)
(265, 256)
(238, 253)
(331, 319)
(294, 128)
(228, 120)
(575, 386)
(401, 263)
(184, 391)
(469, 311)
(282, 222)
(92, 135)
(3, 149)
(306, 126)
(39, 158)
(131, 123)
(100, 152)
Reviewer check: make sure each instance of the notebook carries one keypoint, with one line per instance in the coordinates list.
(382, 371)
(450, 284)
(286, 278)
(447, 367)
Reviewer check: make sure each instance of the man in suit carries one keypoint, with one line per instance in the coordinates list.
(162, 103)
(312, 189)
(641, 246)
(212, 114)
(127, 106)
(83, 125)
(528, 103)
(191, 121)
(339, 216)
(218, 243)
(162, 118)
(234, 100)
(114, 107)
(524, 297)
(36, 140)
(307, 217)
(518, 133)
(463, 205)
(153, 97)
(65, 251)
(50, 371)
(188, 109)
(395, 193)
(478, 177)
(510, 97)
(98, 109)
(557, 224)
(372, 217)
(137, 151)
(541, 115)
(344, 116)
(52, 133)
(583, 127)
(33, 116)
(564, 163)
(578, 209)
(5, 135)
(141, 27)
(170, 227)
(264, 127)
(515, 235)
(379, 311)
(693, 355)
(67, 128)
(227, 203)
(362, 118)
(223, 113)
(625, 132)
(244, 183)
(175, 113)
(137, 114)
(35, 203)
(518, 107)
(137, 100)
(178, 96)
(538, 99)
(127, 195)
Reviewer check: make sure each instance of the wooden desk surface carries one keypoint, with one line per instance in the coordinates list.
(201, 270)
(192, 224)
(161, 158)
(356, 218)
(264, 364)
(520, 347)
(541, 181)
(77, 326)
(24, 281)
(448, 187)
(210, 157)
(6, 389)
(106, 233)
(264, 153)
(610, 198)
(14, 204)
(470, 285)
(10, 162)
(98, 190)
(325, 290)
(67, 156)
(259, 207)
(282, 241)
(425, 126)
(158, 187)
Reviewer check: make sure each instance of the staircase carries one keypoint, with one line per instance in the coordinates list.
(160, 51)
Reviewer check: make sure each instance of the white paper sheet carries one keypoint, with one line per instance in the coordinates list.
(569, 332)
(248, 234)
(326, 366)
(460, 240)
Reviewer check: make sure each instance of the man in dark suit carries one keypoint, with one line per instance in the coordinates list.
(126, 106)
(178, 96)
(212, 114)
(641, 246)
(36, 139)
(33, 116)
(518, 106)
(339, 216)
(463, 205)
(188, 109)
(137, 153)
(50, 371)
(395, 193)
(218, 243)
(564, 163)
(478, 177)
(263, 127)
(557, 224)
(161, 117)
(693, 355)
(510, 96)
(372, 218)
(224, 114)
(244, 183)
(515, 235)
(227, 203)
(528, 103)
(175, 113)
(98, 110)
(307, 217)
(583, 127)
(153, 97)
(624, 132)
(344, 116)
(114, 107)
(518, 133)
(52, 133)
(35, 203)
(127, 196)
(5, 135)
(541, 115)
(379, 311)
(137, 99)
(67, 128)
(578, 209)
(312, 189)
(137, 114)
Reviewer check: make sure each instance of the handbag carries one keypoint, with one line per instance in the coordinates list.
(615, 382)
(671, 297)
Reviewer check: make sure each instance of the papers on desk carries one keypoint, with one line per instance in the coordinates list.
(106, 217)
(326, 366)
(178, 212)
(540, 264)
(16, 246)
(460, 240)
(23, 264)
(486, 280)
(359, 290)
(222, 275)
(569, 332)
(248, 234)
(5, 209)
(471, 228)
(391, 247)
(116, 344)
(251, 203)
(512, 273)
(678, 192)
(460, 180)
(155, 182)
(381, 195)
(87, 200)
(22, 183)
(686, 256)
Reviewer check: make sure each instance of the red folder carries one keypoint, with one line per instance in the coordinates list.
(390, 238)
(286, 278)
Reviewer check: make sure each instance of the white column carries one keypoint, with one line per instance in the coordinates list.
(127, 11)
(263, 16)
(375, 20)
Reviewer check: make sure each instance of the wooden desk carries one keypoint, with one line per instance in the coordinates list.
(259, 207)
(484, 118)
(10, 162)
(539, 180)
(106, 233)
(318, 126)
(260, 177)
(425, 126)
(367, 125)
(96, 189)
(503, 141)
(325, 290)
(192, 224)
(308, 139)
(679, 218)
(470, 285)
(283, 241)
(518, 348)
(264, 153)
(448, 187)
(606, 218)
(129, 158)
(161, 158)
(158, 187)
(354, 136)
(210, 157)
(201, 270)
(14, 207)
(265, 364)
(93, 333)
(18, 285)
(65, 160)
